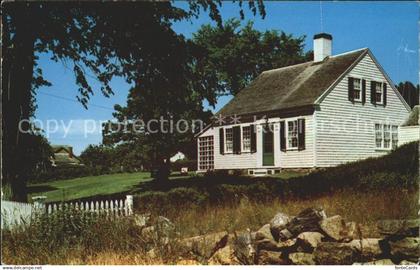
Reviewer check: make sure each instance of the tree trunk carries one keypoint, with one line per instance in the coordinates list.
(17, 95)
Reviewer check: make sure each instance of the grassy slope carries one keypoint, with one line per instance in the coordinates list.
(78, 188)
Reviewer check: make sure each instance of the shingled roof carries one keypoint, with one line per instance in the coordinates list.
(290, 87)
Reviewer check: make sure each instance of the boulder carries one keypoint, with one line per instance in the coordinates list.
(306, 221)
(224, 256)
(266, 257)
(244, 247)
(368, 248)
(333, 226)
(271, 245)
(335, 253)
(408, 227)
(264, 233)
(300, 258)
(278, 223)
(378, 262)
(206, 245)
(407, 248)
(352, 231)
(309, 240)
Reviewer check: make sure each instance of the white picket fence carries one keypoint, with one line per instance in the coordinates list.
(17, 213)
(109, 207)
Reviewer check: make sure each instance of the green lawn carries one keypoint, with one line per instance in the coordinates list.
(88, 186)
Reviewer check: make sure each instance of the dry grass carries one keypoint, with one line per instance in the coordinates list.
(365, 208)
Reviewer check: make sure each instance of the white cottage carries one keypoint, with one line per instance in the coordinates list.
(335, 109)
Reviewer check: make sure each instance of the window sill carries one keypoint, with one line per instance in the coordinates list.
(383, 149)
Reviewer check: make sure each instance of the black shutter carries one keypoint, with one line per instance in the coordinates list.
(282, 137)
(253, 139)
(221, 141)
(373, 92)
(236, 139)
(351, 89)
(301, 134)
(363, 91)
(384, 93)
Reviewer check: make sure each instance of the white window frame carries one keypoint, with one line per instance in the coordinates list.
(243, 149)
(206, 153)
(360, 88)
(381, 90)
(295, 120)
(226, 141)
(393, 131)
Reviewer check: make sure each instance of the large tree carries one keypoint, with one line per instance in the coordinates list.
(409, 92)
(129, 39)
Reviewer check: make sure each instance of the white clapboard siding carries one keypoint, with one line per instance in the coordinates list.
(408, 134)
(339, 138)
(15, 213)
(288, 159)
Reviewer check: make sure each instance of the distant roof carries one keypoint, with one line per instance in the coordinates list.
(290, 87)
(413, 118)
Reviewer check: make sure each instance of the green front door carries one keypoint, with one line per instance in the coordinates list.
(268, 147)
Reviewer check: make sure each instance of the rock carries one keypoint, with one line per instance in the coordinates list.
(408, 227)
(300, 258)
(271, 245)
(334, 227)
(244, 248)
(378, 262)
(352, 231)
(224, 256)
(142, 220)
(278, 223)
(335, 253)
(164, 226)
(405, 262)
(407, 248)
(264, 233)
(206, 245)
(266, 257)
(368, 248)
(309, 240)
(306, 221)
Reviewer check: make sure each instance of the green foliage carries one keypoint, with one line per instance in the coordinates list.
(230, 57)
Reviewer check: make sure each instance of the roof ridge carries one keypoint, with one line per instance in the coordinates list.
(349, 52)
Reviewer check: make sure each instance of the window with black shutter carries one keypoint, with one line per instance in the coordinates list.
(253, 139)
(282, 137)
(363, 91)
(351, 89)
(373, 92)
(236, 139)
(384, 93)
(301, 134)
(221, 141)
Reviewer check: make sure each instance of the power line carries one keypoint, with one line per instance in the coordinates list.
(75, 101)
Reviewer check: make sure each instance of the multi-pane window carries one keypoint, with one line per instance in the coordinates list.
(394, 135)
(206, 153)
(229, 140)
(292, 134)
(246, 138)
(386, 136)
(357, 89)
(378, 135)
(378, 92)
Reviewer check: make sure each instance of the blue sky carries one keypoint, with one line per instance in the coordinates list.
(389, 29)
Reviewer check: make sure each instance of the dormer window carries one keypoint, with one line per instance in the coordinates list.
(357, 89)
